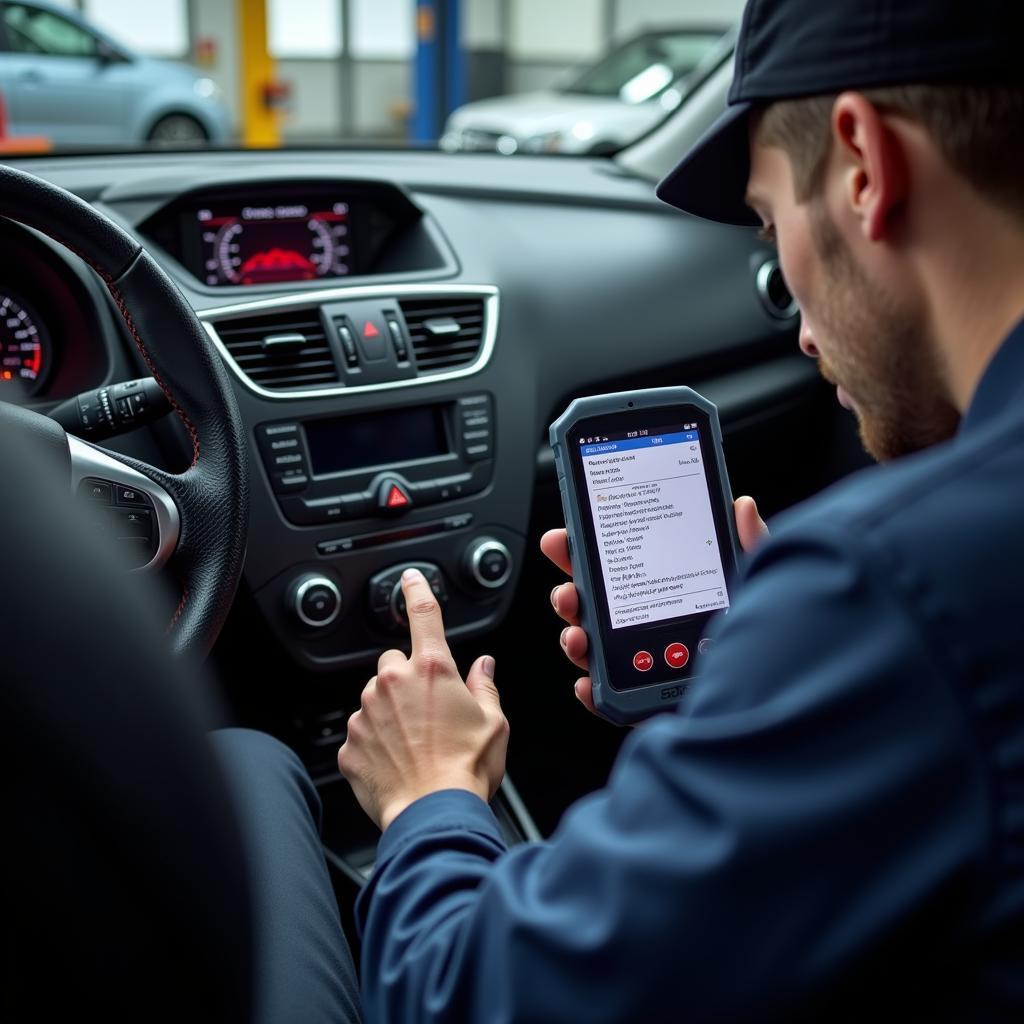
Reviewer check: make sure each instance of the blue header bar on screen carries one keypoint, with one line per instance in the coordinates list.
(652, 441)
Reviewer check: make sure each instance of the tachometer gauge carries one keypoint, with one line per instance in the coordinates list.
(268, 244)
(24, 345)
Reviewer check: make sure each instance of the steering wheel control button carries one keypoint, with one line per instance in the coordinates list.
(705, 645)
(130, 524)
(677, 655)
(643, 661)
(316, 601)
(489, 563)
(130, 496)
(393, 496)
(100, 491)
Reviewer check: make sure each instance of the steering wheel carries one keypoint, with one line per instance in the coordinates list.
(200, 516)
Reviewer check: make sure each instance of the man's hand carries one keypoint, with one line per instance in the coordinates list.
(419, 728)
(555, 545)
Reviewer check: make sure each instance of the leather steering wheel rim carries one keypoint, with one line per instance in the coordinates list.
(211, 495)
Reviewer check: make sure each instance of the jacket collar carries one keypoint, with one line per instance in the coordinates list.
(1000, 384)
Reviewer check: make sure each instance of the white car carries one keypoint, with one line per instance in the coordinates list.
(606, 106)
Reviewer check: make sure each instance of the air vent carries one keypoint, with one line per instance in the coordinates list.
(773, 292)
(445, 333)
(281, 351)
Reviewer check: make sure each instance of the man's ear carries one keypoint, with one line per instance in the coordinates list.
(874, 164)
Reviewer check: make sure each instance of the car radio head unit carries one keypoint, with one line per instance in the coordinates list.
(379, 464)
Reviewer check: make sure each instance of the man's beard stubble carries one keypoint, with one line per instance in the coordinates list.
(879, 354)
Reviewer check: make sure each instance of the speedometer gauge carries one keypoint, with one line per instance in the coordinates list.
(24, 344)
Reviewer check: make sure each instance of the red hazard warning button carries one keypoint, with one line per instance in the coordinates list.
(369, 331)
(676, 655)
(392, 495)
(643, 661)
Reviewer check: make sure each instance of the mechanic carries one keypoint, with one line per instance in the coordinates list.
(834, 824)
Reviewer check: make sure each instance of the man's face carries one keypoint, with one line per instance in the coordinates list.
(865, 328)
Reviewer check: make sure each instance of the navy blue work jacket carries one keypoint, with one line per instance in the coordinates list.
(832, 827)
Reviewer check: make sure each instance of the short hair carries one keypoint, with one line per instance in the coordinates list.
(979, 130)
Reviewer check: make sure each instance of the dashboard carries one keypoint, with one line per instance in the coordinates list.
(400, 329)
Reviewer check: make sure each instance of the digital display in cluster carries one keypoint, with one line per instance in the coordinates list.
(267, 244)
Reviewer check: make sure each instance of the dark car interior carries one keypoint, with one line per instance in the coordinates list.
(398, 330)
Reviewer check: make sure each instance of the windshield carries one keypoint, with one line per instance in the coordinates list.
(579, 77)
(643, 68)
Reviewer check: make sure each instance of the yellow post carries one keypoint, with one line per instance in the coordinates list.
(259, 120)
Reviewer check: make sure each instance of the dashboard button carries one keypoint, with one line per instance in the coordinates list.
(643, 661)
(398, 340)
(285, 483)
(677, 655)
(705, 645)
(335, 547)
(372, 331)
(475, 452)
(392, 496)
(357, 505)
(315, 600)
(348, 343)
(278, 430)
(425, 492)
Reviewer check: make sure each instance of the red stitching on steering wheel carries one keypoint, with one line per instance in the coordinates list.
(126, 316)
(130, 324)
(180, 609)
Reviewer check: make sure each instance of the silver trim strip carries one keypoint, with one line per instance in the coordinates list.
(89, 461)
(488, 293)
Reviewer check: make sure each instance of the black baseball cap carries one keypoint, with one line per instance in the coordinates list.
(792, 48)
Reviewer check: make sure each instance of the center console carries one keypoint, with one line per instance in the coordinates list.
(384, 482)
(374, 449)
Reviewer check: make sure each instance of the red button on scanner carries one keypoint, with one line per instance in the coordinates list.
(676, 655)
(643, 661)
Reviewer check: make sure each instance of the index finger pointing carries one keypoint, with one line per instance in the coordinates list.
(425, 623)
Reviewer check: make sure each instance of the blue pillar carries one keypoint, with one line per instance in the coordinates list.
(440, 67)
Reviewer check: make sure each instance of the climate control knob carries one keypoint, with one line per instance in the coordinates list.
(488, 563)
(315, 600)
(387, 600)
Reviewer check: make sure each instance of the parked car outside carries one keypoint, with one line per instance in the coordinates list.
(599, 109)
(64, 79)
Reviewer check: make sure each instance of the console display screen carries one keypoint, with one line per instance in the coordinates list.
(257, 243)
(378, 439)
(654, 525)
